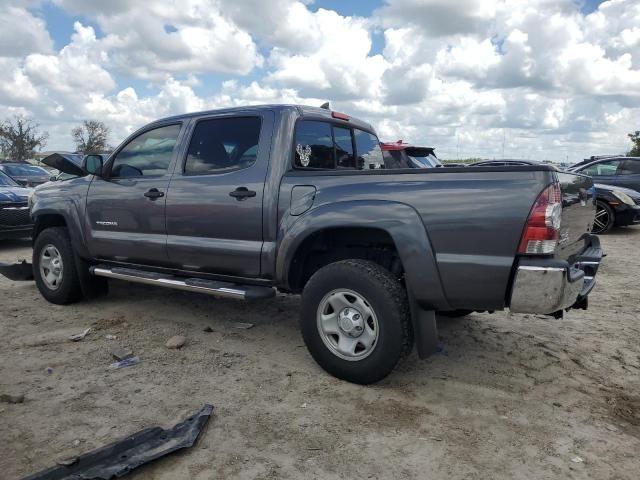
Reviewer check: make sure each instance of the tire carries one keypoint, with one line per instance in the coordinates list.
(605, 218)
(54, 244)
(343, 290)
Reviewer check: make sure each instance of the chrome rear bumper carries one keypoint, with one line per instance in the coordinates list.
(550, 286)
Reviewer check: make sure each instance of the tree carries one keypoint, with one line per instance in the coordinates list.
(91, 137)
(19, 138)
(635, 139)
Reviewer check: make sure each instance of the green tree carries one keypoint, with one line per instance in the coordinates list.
(20, 137)
(91, 137)
(635, 139)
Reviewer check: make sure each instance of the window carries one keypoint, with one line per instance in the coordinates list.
(369, 152)
(148, 154)
(6, 181)
(314, 145)
(630, 167)
(602, 168)
(344, 148)
(394, 159)
(222, 145)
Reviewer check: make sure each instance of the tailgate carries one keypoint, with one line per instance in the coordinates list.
(578, 210)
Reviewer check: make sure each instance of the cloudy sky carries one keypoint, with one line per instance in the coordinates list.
(545, 79)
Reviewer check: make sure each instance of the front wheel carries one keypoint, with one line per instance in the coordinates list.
(604, 219)
(54, 267)
(355, 320)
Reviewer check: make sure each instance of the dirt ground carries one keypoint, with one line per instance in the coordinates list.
(510, 396)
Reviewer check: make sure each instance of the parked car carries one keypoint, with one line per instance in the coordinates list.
(25, 174)
(615, 206)
(402, 155)
(15, 221)
(617, 171)
(245, 201)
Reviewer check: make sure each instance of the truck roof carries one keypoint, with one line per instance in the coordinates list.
(303, 110)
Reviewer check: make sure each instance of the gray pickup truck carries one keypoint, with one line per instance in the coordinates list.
(245, 202)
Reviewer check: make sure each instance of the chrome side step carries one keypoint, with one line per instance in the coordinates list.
(211, 287)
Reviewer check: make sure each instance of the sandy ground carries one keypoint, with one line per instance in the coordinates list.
(511, 396)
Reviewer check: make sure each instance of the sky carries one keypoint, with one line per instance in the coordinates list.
(540, 79)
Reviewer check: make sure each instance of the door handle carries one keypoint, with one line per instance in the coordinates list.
(153, 193)
(241, 193)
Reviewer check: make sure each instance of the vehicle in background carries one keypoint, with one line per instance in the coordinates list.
(618, 171)
(247, 201)
(454, 164)
(25, 174)
(615, 206)
(402, 155)
(15, 221)
(56, 160)
(504, 163)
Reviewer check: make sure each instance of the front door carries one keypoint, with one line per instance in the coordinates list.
(126, 209)
(214, 205)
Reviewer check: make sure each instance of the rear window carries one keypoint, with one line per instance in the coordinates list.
(220, 145)
(322, 145)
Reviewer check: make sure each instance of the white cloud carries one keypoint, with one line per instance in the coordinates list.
(21, 32)
(466, 76)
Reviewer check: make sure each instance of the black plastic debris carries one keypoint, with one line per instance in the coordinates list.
(119, 458)
(18, 272)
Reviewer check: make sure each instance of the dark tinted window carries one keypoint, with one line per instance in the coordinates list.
(368, 151)
(314, 145)
(344, 148)
(599, 169)
(148, 154)
(5, 181)
(630, 167)
(223, 144)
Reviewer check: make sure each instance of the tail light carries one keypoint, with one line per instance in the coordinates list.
(542, 231)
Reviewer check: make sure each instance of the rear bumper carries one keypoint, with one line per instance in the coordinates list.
(548, 286)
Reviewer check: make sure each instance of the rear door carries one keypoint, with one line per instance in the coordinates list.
(126, 209)
(214, 205)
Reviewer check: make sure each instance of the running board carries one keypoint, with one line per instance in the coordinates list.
(211, 287)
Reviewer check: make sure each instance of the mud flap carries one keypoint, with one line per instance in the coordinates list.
(18, 272)
(119, 458)
(425, 329)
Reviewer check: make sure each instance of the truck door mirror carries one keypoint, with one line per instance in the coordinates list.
(93, 164)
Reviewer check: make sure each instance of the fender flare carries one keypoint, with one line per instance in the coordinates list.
(401, 221)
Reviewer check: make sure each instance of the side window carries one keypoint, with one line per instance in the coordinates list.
(602, 168)
(223, 144)
(630, 167)
(314, 145)
(146, 155)
(344, 148)
(394, 159)
(369, 151)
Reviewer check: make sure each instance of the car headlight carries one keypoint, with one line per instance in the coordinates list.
(623, 197)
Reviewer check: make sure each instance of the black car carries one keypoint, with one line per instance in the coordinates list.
(25, 174)
(618, 171)
(615, 206)
(15, 221)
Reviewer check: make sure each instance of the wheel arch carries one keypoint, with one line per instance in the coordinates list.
(391, 224)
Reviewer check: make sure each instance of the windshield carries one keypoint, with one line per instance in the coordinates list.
(6, 181)
(24, 170)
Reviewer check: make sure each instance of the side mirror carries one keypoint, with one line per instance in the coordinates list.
(92, 164)
(53, 178)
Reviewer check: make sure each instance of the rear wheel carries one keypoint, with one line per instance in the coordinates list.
(355, 320)
(54, 266)
(605, 218)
